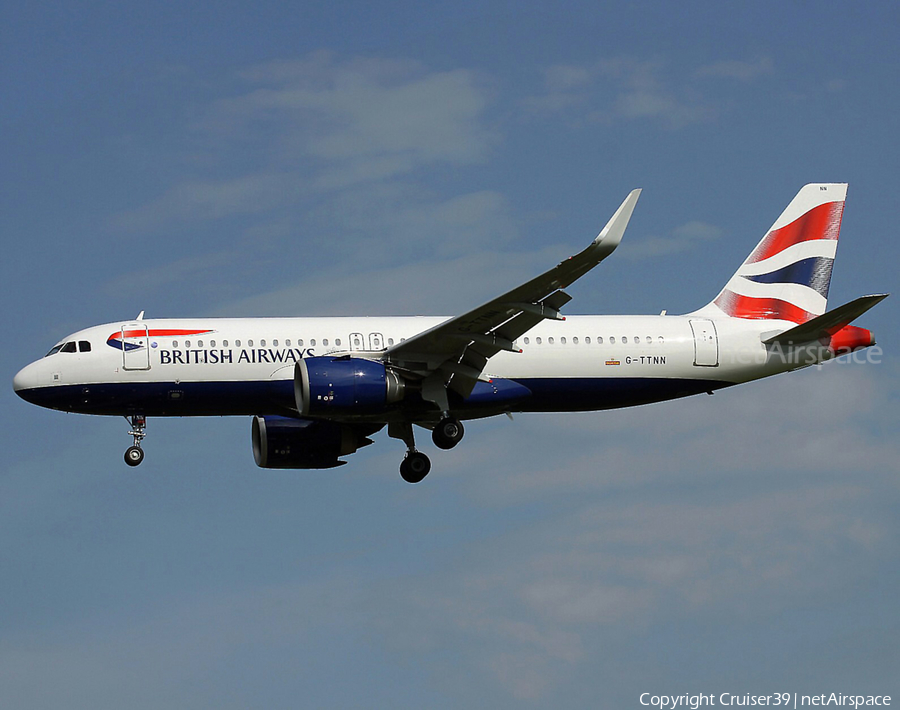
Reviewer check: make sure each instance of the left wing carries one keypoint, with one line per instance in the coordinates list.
(453, 354)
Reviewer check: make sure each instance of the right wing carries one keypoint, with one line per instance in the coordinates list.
(457, 350)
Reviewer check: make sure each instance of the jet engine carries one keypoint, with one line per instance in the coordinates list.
(284, 442)
(344, 385)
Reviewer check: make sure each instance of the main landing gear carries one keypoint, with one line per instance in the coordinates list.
(448, 433)
(416, 465)
(135, 454)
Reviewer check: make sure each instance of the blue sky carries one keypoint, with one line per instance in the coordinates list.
(291, 159)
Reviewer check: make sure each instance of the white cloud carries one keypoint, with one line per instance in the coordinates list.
(319, 125)
(738, 70)
(321, 155)
(203, 200)
(563, 77)
(684, 238)
(363, 117)
(625, 89)
(616, 90)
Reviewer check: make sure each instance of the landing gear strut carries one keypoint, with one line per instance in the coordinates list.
(415, 465)
(448, 433)
(135, 454)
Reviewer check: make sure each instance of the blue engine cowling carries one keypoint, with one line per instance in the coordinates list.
(284, 442)
(344, 385)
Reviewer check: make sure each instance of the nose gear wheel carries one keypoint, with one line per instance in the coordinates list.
(135, 454)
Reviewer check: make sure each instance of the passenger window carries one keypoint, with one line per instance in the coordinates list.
(262, 343)
(612, 340)
(174, 343)
(562, 341)
(84, 346)
(249, 343)
(575, 341)
(68, 347)
(550, 341)
(661, 339)
(587, 340)
(624, 340)
(355, 342)
(526, 341)
(337, 341)
(237, 343)
(212, 343)
(324, 341)
(390, 341)
(312, 342)
(187, 343)
(287, 342)
(538, 341)
(649, 340)
(199, 343)
(224, 343)
(600, 340)
(637, 340)
(299, 342)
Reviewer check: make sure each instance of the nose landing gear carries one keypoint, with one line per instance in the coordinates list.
(135, 454)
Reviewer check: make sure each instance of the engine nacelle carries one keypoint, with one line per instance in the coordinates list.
(283, 442)
(346, 385)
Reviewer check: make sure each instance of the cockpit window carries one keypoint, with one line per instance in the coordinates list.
(55, 349)
(84, 346)
(68, 347)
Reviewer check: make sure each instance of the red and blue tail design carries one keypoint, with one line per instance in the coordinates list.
(786, 277)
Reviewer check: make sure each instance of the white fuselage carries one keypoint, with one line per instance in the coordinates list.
(236, 365)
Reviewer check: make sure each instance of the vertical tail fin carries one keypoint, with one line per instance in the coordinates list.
(787, 275)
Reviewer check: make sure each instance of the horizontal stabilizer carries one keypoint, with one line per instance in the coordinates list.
(828, 323)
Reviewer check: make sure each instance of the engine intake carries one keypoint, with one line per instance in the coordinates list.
(346, 385)
(283, 442)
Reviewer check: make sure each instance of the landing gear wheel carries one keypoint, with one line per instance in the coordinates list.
(414, 467)
(448, 433)
(134, 455)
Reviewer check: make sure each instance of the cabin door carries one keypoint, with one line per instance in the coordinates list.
(706, 343)
(135, 347)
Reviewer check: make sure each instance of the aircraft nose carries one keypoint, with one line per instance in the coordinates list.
(25, 379)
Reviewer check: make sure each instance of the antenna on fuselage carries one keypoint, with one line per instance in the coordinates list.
(140, 316)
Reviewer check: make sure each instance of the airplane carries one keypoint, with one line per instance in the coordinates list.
(317, 389)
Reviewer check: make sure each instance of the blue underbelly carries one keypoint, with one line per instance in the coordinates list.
(277, 396)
